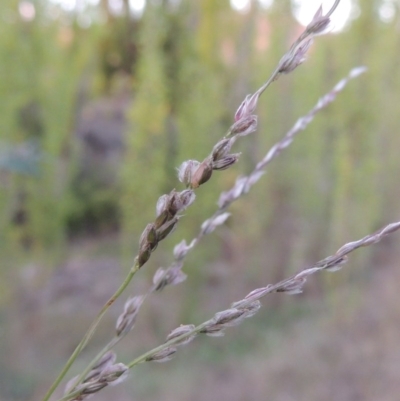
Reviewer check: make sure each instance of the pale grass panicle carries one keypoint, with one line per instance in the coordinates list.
(104, 370)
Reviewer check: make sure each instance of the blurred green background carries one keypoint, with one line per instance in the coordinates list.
(100, 101)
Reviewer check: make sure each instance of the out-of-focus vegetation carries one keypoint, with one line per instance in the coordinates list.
(98, 106)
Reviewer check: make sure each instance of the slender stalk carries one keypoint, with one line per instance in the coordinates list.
(271, 79)
(142, 358)
(333, 8)
(93, 362)
(70, 396)
(89, 334)
(107, 348)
